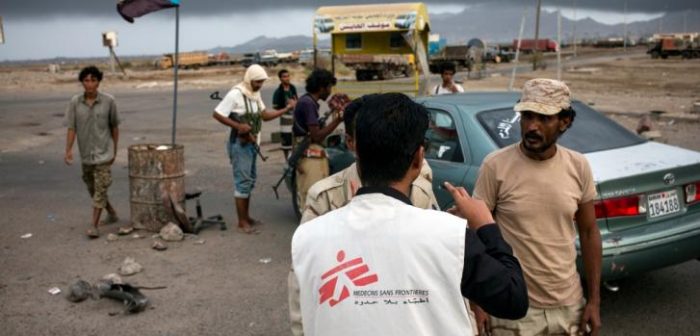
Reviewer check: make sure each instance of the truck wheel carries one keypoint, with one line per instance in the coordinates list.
(664, 56)
(296, 197)
(654, 54)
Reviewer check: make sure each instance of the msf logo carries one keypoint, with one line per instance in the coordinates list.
(336, 281)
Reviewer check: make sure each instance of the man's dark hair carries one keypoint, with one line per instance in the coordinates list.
(282, 72)
(390, 128)
(319, 79)
(90, 70)
(448, 66)
(350, 113)
(567, 113)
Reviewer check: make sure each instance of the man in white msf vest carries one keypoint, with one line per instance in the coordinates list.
(379, 266)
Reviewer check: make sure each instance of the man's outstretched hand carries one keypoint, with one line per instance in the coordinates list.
(473, 210)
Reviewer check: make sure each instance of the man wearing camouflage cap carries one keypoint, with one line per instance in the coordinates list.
(541, 193)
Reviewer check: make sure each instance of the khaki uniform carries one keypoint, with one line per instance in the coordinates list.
(562, 320)
(335, 191)
(310, 169)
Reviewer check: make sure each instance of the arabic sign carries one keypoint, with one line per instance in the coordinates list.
(369, 26)
(371, 18)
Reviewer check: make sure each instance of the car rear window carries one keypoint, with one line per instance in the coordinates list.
(591, 131)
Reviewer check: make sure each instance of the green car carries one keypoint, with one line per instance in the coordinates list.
(648, 207)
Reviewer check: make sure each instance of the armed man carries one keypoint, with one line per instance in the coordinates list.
(309, 131)
(243, 110)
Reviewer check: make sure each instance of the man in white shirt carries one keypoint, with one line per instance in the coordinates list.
(448, 85)
(243, 110)
(380, 266)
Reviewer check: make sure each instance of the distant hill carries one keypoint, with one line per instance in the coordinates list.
(281, 44)
(495, 23)
(501, 24)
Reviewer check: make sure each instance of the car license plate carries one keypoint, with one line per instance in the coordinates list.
(663, 203)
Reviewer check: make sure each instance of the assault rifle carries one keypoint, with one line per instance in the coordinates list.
(233, 116)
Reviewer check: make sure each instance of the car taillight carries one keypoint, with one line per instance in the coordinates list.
(691, 193)
(620, 207)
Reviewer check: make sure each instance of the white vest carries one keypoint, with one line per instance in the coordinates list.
(381, 267)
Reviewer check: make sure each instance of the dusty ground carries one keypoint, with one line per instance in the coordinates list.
(226, 286)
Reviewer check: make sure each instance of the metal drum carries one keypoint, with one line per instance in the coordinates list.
(156, 176)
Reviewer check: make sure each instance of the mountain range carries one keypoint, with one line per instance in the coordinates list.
(495, 23)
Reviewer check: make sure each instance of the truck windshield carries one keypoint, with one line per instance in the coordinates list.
(591, 131)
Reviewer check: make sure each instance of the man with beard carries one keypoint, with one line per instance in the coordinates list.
(313, 165)
(542, 193)
(243, 110)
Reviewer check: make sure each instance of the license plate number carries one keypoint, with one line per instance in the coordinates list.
(663, 203)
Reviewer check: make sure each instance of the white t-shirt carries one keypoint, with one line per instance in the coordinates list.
(439, 90)
(235, 101)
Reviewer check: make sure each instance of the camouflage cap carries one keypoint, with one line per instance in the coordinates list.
(544, 96)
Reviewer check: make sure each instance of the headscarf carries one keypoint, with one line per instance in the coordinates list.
(253, 73)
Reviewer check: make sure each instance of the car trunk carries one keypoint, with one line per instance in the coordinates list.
(642, 184)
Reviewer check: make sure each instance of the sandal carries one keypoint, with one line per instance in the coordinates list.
(92, 233)
(248, 230)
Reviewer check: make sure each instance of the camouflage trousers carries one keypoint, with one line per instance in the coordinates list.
(98, 178)
(542, 321)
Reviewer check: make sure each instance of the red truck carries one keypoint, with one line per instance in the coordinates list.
(675, 47)
(528, 45)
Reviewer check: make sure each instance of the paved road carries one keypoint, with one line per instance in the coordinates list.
(219, 288)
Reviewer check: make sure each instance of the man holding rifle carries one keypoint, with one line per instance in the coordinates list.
(243, 110)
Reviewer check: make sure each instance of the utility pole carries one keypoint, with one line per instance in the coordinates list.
(574, 28)
(559, 41)
(624, 38)
(517, 50)
(537, 36)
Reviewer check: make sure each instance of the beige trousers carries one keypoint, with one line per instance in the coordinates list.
(542, 321)
(309, 171)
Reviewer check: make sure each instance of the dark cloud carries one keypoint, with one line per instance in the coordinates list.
(42, 8)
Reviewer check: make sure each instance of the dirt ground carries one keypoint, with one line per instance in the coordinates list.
(224, 282)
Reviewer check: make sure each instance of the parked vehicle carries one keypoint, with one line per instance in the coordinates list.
(459, 55)
(269, 58)
(529, 45)
(435, 44)
(666, 47)
(186, 60)
(648, 204)
(250, 58)
(369, 67)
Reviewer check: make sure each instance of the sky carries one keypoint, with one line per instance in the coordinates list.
(37, 29)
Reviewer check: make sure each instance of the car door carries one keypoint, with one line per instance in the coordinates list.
(446, 151)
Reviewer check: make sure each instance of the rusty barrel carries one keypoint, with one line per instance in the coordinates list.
(156, 176)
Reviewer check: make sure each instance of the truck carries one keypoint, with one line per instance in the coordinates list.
(435, 44)
(269, 57)
(456, 54)
(186, 60)
(368, 67)
(528, 45)
(666, 47)
(249, 59)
